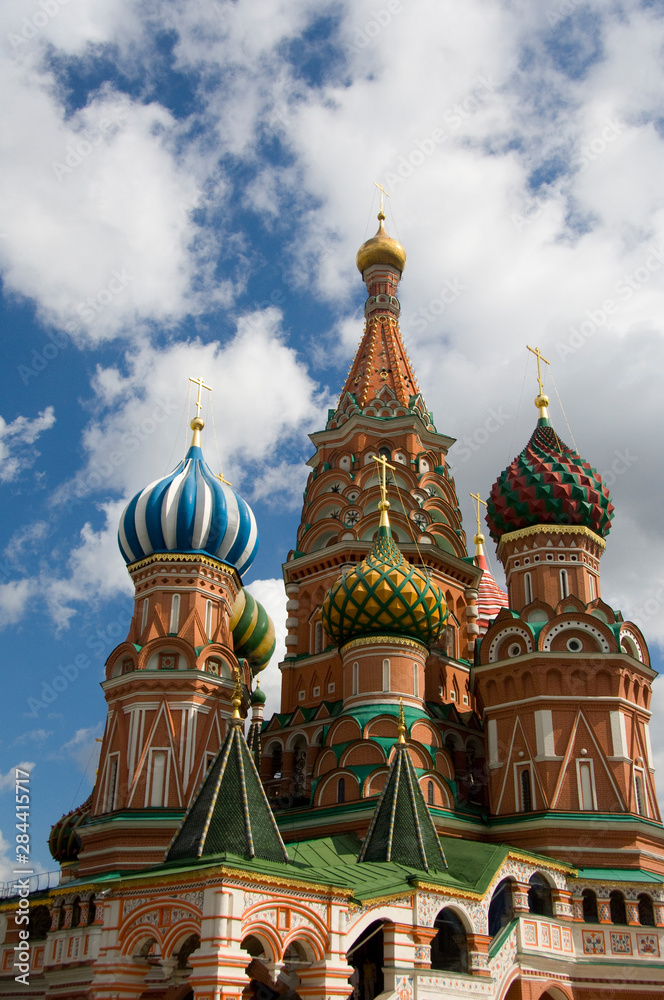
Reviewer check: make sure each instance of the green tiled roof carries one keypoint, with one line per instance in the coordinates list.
(230, 812)
(401, 828)
(618, 875)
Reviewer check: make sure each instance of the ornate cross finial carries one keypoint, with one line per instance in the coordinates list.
(382, 192)
(478, 500)
(382, 475)
(201, 385)
(402, 723)
(540, 357)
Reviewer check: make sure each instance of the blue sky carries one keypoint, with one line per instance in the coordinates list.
(186, 185)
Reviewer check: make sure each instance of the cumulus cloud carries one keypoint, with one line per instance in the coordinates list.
(14, 597)
(272, 595)
(16, 440)
(8, 780)
(83, 748)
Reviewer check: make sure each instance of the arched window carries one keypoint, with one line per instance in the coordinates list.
(416, 680)
(539, 896)
(528, 587)
(526, 792)
(175, 614)
(646, 911)
(208, 619)
(617, 907)
(144, 619)
(40, 923)
(564, 584)
(501, 909)
(430, 793)
(158, 782)
(277, 754)
(590, 914)
(92, 911)
(356, 678)
(76, 912)
(192, 943)
(386, 675)
(449, 948)
(318, 637)
(341, 790)
(591, 586)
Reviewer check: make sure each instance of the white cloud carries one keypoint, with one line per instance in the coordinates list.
(262, 400)
(8, 780)
(14, 597)
(36, 736)
(272, 595)
(98, 212)
(16, 439)
(83, 748)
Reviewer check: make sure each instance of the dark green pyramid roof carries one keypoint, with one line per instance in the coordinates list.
(401, 828)
(230, 813)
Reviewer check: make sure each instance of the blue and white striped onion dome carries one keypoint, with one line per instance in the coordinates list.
(192, 511)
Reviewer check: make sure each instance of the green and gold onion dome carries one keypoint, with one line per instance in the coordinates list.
(384, 595)
(548, 483)
(253, 631)
(381, 249)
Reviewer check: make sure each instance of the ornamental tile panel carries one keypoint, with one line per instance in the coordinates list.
(621, 943)
(593, 943)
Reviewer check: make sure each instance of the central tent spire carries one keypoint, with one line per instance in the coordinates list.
(381, 381)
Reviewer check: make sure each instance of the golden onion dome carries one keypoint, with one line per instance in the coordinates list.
(384, 595)
(381, 249)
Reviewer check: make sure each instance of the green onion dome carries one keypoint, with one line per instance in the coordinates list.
(64, 841)
(548, 483)
(253, 631)
(258, 696)
(384, 594)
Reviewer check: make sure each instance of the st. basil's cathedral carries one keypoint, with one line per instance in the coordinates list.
(457, 796)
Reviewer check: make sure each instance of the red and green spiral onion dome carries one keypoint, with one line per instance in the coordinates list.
(548, 483)
(64, 841)
(253, 631)
(384, 595)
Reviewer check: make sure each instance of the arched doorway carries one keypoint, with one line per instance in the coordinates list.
(449, 948)
(366, 955)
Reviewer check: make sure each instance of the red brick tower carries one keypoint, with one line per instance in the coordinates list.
(186, 539)
(563, 681)
(380, 414)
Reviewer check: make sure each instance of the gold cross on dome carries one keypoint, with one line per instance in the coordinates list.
(382, 482)
(201, 385)
(382, 192)
(479, 501)
(540, 357)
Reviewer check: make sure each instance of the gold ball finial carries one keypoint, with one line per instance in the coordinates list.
(384, 505)
(197, 424)
(402, 723)
(236, 700)
(479, 538)
(541, 402)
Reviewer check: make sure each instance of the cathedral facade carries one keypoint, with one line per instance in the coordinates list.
(457, 795)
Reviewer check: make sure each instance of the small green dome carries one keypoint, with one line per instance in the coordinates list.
(384, 594)
(258, 696)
